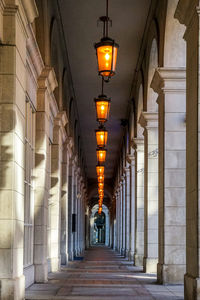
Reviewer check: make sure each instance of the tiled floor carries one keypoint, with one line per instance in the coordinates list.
(103, 275)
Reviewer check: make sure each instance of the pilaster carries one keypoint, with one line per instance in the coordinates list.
(188, 13)
(138, 144)
(169, 83)
(127, 208)
(131, 160)
(149, 121)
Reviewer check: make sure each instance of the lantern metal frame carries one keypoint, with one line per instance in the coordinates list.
(102, 98)
(105, 137)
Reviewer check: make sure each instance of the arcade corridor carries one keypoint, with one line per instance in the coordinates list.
(99, 149)
(103, 275)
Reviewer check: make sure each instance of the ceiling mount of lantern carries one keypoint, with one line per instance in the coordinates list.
(106, 50)
(101, 136)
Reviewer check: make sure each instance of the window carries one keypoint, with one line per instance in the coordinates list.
(29, 184)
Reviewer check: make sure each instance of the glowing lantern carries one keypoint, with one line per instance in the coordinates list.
(100, 170)
(100, 185)
(101, 136)
(102, 104)
(101, 155)
(106, 51)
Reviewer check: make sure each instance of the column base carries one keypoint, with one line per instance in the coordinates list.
(138, 260)
(127, 253)
(54, 264)
(150, 265)
(41, 273)
(13, 288)
(131, 256)
(191, 287)
(123, 252)
(71, 256)
(170, 274)
(64, 258)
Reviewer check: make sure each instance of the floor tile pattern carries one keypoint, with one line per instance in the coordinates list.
(103, 275)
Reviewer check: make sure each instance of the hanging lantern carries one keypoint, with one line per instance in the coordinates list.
(101, 136)
(101, 185)
(106, 51)
(100, 170)
(102, 108)
(100, 179)
(101, 155)
(100, 190)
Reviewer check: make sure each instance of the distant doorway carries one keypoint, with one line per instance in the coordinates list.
(99, 227)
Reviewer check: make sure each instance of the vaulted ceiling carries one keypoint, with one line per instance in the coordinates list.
(81, 32)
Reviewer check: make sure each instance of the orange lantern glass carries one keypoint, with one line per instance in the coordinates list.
(100, 178)
(100, 170)
(101, 155)
(100, 190)
(101, 136)
(101, 185)
(106, 51)
(102, 104)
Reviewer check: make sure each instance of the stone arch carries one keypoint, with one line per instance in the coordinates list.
(139, 111)
(151, 105)
(174, 44)
(55, 53)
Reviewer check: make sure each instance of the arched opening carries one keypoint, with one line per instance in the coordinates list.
(99, 226)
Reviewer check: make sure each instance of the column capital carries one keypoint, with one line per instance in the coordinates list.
(138, 144)
(166, 80)
(149, 120)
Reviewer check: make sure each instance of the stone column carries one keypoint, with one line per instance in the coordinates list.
(70, 208)
(64, 205)
(139, 235)
(42, 171)
(123, 216)
(127, 200)
(74, 210)
(149, 121)
(131, 159)
(120, 216)
(188, 13)
(55, 198)
(170, 85)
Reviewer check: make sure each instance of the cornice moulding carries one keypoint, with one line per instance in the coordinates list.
(169, 80)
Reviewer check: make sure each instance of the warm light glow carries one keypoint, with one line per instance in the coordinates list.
(100, 210)
(101, 155)
(100, 170)
(107, 57)
(101, 185)
(101, 136)
(102, 108)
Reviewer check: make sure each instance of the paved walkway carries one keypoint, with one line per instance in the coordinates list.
(102, 275)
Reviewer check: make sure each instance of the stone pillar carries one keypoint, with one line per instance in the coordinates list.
(123, 216)
(149, 121)
(139, 235)
(55, 198)
(120, 217)
(64, 203)
(42, 171)
(74, 210)
(169, 83)
(188, 13)
(127, 200)
(131, 159)
(70, 209)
